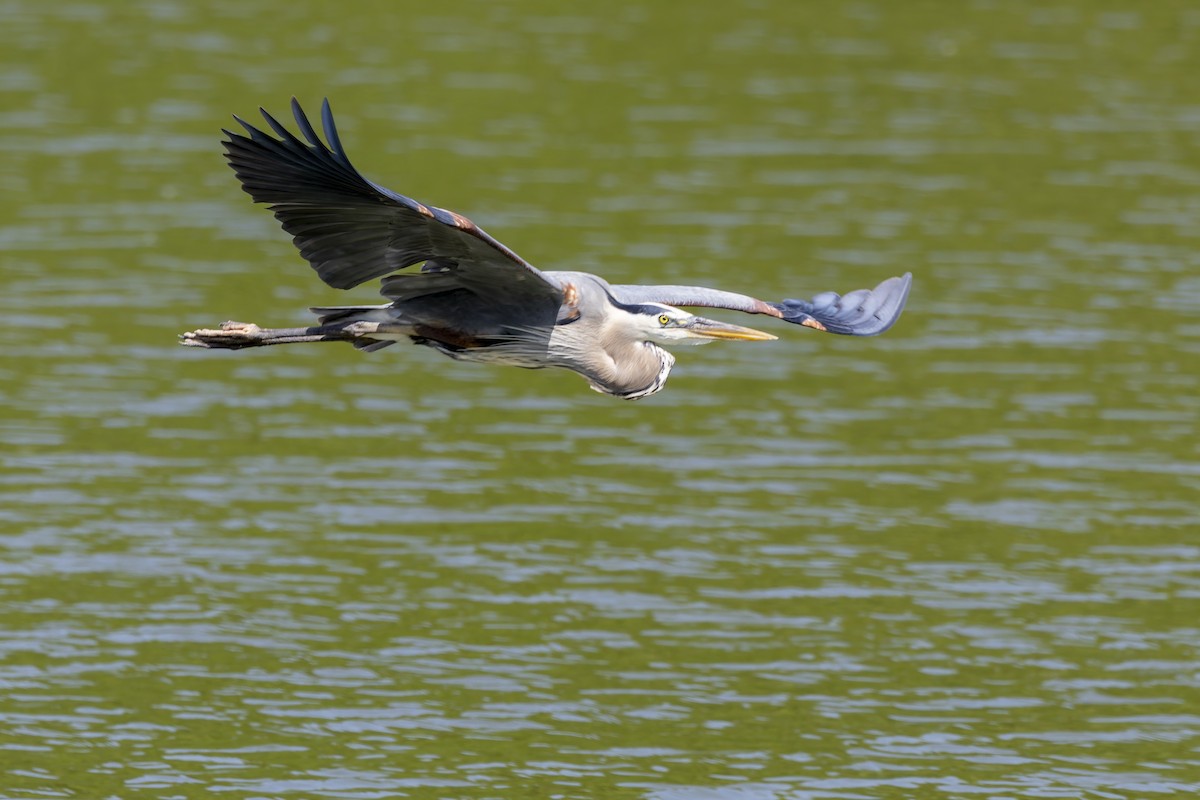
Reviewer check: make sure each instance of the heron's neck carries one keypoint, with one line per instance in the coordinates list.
(639, 369)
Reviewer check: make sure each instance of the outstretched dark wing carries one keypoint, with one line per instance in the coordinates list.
(352, 230)
(866, 312)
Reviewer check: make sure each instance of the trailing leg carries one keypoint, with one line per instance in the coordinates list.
(237, 335)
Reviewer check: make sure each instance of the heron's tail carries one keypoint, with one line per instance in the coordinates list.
(345, 315)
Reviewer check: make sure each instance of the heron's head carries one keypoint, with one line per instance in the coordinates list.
(667, 325)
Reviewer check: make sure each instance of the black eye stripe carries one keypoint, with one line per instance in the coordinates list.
(636, 308)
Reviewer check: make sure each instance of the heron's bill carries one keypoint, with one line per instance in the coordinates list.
(711, 329)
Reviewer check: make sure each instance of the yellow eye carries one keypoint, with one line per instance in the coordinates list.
(664, 319)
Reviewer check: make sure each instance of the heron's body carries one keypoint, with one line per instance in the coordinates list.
(472, 298)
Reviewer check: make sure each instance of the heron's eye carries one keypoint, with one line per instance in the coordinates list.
(664, 320)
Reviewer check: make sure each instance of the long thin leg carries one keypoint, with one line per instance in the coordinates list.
(236, 335)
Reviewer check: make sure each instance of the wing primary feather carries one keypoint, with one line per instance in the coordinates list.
(335, 142)
(256, 157)
(863, 312)
(282, 132)
(257, 136)
(265, 144)
(305, 126)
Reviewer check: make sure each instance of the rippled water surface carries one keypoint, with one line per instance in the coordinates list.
(957, 561)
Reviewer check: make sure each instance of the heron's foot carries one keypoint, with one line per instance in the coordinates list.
(362, 328)
(230, 334)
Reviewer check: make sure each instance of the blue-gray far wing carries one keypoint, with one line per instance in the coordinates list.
(866, 312)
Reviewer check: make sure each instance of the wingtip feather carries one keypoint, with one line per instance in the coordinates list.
(863, 312)
(305, 126)
(250, 129)
(331, 132)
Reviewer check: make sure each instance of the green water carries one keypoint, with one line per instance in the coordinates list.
(957, 561)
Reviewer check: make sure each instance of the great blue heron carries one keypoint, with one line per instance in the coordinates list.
(473, 298)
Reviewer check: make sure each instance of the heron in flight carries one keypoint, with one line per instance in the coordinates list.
(474, 299)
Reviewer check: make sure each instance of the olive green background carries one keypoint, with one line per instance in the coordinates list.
(956, 561)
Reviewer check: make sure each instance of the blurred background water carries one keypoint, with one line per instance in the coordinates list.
(959, 560)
